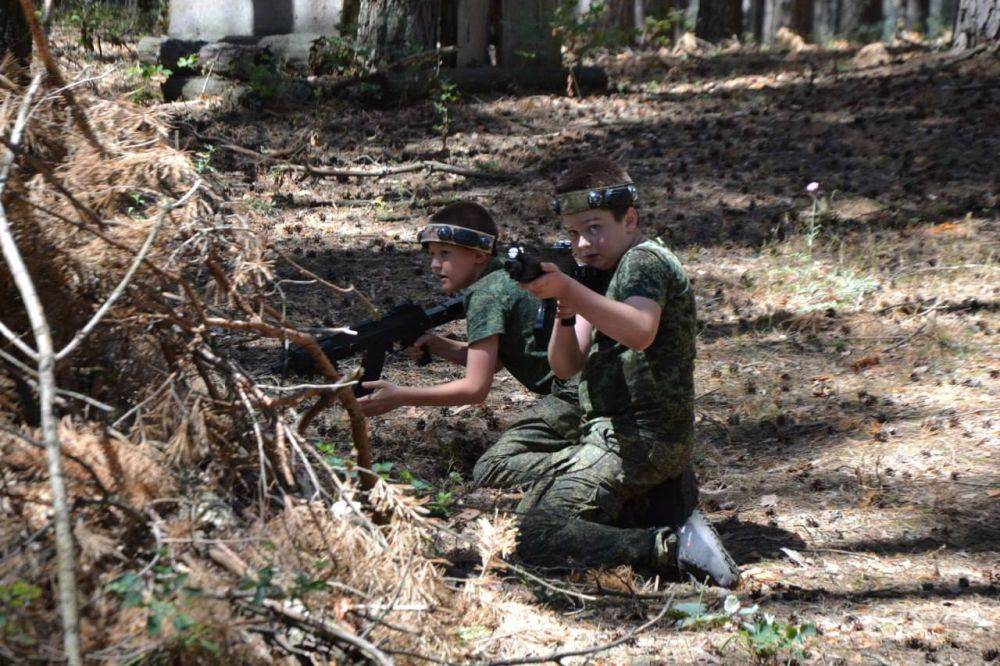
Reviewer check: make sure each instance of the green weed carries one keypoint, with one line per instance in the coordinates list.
(147, 76)
(441, 498)
(204, 162)
(768, 641)
(15, 600)
(167, 599)
(335, 55)
(445, 95)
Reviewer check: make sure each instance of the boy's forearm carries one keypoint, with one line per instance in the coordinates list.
(615, 319)
(458, 392)
(453, 351)
(565, 357)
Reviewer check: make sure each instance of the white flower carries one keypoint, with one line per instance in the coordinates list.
(812, 187)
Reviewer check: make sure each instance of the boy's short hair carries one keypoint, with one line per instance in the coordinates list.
(595, 172)
(469, 215)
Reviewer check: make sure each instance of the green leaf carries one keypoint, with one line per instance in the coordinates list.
(209, 645)
(687, 609)
(182, 623)
(473, 633)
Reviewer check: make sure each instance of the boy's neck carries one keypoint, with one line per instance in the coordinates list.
(479, 273)
(635, 241)
(482, 269)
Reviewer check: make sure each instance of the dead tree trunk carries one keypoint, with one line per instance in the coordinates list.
(777, 14)
(392, 29)
(941, 16)
(978, 23)
(916, 15)
(526, 34)
(753, 19)
(854, 15)
(14, 36)
(719, 19)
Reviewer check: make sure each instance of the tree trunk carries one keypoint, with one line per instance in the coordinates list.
(978, 23)
(777, 15)
(850, 18)
(753, 19)
(801, 21)
(916, 15)
(892, 12)
(719, 19)
(14, 36)
(392, 29)
(941, 16)
(526, 34)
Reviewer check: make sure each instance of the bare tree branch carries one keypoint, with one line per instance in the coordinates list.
(557, 657)
(120, 289)
(46, 390)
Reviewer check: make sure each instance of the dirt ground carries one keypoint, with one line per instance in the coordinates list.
(849, 366)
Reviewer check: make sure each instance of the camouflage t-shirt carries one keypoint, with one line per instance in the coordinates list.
(649, 394)
(495, 305)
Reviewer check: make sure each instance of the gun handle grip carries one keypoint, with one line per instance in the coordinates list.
(425, 356)
(568, 321)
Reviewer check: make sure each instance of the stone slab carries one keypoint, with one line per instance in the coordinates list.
(213, 21)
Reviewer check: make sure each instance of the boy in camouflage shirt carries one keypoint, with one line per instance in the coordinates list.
(635, 347)
(461, 242)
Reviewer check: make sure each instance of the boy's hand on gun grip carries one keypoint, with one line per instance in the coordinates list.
(553, 284)
(428, 344)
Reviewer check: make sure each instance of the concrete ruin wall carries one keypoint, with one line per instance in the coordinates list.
(198, 20)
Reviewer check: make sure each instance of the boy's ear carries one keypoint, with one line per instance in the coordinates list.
(482, 258)
(631, 219)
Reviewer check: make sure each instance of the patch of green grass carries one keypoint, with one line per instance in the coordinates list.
(816, 285)
(768, 641)
(15, 599)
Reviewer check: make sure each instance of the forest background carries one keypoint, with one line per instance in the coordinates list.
(826, 170)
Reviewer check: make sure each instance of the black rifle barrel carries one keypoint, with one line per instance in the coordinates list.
(401, 326)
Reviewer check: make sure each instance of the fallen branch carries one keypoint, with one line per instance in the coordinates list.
(429, 166)
(329, 285)
(559, 656)
(232, 563)
(905, 340)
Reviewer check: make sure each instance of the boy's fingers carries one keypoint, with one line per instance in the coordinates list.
(372, 385)
(549, 267)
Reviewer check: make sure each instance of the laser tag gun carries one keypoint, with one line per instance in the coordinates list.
(376, 338)
(524, 264)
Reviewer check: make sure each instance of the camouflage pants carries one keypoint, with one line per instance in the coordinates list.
(594, 499)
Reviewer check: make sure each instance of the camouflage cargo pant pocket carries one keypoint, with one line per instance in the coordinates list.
(525, 452)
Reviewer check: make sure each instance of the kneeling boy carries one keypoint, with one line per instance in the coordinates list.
(635, 347)
(461, 242)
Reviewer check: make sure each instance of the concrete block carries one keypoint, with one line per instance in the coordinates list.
(194, 87)
(293, 49)
(166, 51)
(212, 21)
